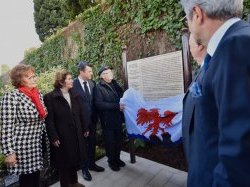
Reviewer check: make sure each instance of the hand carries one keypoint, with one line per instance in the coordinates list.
(10, 160)
(56, 143)
(122, 106)
(86, 134)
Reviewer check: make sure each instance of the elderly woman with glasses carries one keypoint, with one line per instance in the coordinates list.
(22, 117)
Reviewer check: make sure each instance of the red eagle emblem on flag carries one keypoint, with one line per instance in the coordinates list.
(153, 119)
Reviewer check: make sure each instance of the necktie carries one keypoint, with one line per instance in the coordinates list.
(86, 89)
(206, 61)
(203, 70)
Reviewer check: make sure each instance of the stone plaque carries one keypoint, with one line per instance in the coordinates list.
(158, 76)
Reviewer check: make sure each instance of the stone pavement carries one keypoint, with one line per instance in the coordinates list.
(143, 173)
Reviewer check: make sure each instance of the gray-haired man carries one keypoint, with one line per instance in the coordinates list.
(218, 135)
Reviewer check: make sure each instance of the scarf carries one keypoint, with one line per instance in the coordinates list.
(33, 94)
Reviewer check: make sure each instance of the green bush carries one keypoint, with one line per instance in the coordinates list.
(46, 79)
(102, 42)
(49, 55)
(139, 143)
(100, 152)
(6, 88)
(246, 9)
(2, 164)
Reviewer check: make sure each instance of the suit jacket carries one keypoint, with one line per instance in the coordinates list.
(187, 116)
(218, 137)
(86, 102)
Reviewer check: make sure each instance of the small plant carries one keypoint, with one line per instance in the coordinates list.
(2, 164)
(100, 152)
(139, 143)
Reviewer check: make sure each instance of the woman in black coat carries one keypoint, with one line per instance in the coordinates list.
(107, 96)
(66, 129)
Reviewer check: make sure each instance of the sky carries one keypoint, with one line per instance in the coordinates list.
(17, 30)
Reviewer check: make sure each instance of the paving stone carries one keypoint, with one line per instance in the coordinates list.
(143, 173)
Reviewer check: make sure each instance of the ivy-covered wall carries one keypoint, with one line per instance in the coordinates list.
(147, 27)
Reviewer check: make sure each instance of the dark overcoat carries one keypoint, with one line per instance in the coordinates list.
(66, 124)
(106, 99)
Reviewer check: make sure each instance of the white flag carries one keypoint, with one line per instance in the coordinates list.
(149, 118)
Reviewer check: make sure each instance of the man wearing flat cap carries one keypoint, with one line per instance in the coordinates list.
(84, 86)
(107, 97)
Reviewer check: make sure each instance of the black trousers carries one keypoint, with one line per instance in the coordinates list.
(68, 176)
(113, 144)
(90, 147)
(91, 144)
(29, 180)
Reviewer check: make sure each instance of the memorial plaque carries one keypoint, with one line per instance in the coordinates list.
(158, 76)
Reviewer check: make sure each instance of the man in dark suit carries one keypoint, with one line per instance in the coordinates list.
(198, 52)
(218, 134)
(84, 85)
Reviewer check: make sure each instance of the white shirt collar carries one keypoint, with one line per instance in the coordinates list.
(217, 36)
(81, 83)
(202, 63)
(81, 80)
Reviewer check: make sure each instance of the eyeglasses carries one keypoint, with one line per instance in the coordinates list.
(32, 77)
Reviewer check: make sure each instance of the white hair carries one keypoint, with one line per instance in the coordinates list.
(215, 9)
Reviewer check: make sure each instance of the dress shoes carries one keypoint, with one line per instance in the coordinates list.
(96, 168)
(114, 167)
(86, 175)
(77, 185)
(120, 163)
